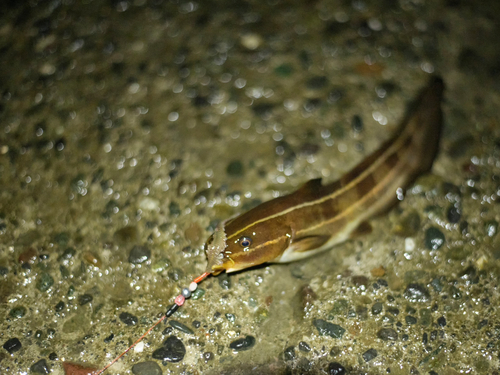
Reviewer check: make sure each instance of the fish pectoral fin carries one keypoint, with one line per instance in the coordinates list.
(308, 243)
(363, 228)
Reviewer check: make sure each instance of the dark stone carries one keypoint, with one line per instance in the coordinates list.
(167, 331)
(60, 144)
(284, 70)
(357, 124)
(382, 282)
(84, 299)
(437, 285)
(60, 306)
(139, 254)
(289, 353)
(235, 168)
(369, 355)
(453, 214)
(387, 334)
(12, 345)
(109, 338)
(147, 368)
(244, 343)
(410, 320)
(173, 350)
(53, 356)
(44, 282)
(224, 281)
(196, 324)
(68, 253)
(128, 319)
(335, 95)
(181, 327)
(335, 368)
(304, 365)
(327, 328)
(377, 308)
(312, 104)
(442, 321)
(208, 356)
(434, 238)
(417, 293)
(360, 281)
(304, 347)
(40, 367)
(17, 312)
(174, 209)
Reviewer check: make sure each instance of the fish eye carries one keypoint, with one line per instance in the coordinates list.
(245, 241)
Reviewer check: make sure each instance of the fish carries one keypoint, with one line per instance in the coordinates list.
(318, 217)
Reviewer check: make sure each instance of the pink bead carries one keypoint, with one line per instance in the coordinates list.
(179, 300)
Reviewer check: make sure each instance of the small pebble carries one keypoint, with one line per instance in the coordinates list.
(109, 338)
(304, 347)
(197, 294)
(434, 238)
(327, 328)
(377, 308)
(244, 343)
(289, 353)
(387, 334)
(224, 281)
(335, 368)
(146, 368)
(12, 345)
(416, 293)
(196, 324)
(84, 299)
(235, 168)
(167, 331)
(40, 367)
(139, 254)
(17, 312)
(410, 320)
(453, 214)
(208, 356)
(173, 350)
(68, 253)
(369, 355)
(357, 124)
(44, 282)
(60, 306)
(181, 327)
(174, 209)
(128, 319)
(442, 321)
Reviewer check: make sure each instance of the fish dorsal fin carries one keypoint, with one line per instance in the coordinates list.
(310, 188)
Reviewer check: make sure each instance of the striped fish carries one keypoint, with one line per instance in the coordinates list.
(317, 217)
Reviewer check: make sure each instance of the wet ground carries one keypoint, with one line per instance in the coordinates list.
(128, 129)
